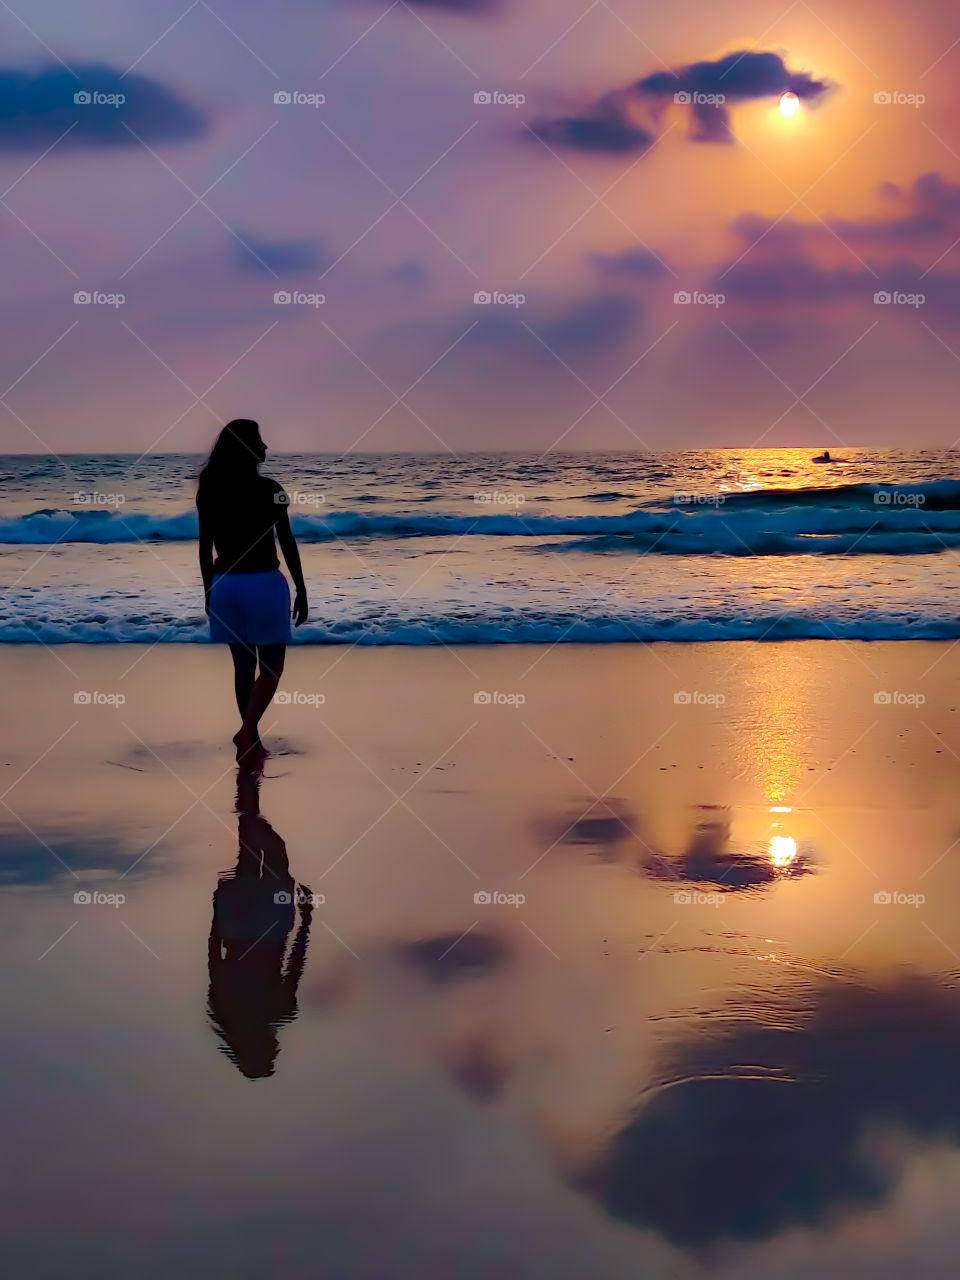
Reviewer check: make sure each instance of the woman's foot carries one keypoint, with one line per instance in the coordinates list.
(251, 752)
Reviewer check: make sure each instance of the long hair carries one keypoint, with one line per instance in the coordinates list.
(234, 458)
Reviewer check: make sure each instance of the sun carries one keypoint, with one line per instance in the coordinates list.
(789, 104)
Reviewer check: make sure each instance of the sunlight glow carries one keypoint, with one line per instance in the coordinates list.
(783, 850)
(789, 104)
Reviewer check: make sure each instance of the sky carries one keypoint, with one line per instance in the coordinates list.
(500, 224)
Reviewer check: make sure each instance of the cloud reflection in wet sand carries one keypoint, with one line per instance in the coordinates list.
(612, 830)
(773, 1121)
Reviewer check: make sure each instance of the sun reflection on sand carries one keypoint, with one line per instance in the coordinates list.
(783, 851)
(775, 734)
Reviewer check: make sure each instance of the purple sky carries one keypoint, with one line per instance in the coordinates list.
(598, 199)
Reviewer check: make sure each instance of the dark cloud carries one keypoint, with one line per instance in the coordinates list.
(279, 257)
(707, 87)
(609, 126)
(633, 263)
(412, 272)
(927, 210)
(771, 235)
(765, 1125)
(796, 279)
(36, 107)
(589, 325)
(616, 122)
(791, 262)
(737, 77)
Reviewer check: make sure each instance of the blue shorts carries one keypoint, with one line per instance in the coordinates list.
(250, 608)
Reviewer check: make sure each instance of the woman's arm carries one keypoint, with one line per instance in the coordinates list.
(206, 557)
(288, 545)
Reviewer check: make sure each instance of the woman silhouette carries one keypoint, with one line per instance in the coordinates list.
(246, 595)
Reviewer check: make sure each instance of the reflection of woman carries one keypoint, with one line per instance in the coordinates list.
(253, 977)
(245, 594)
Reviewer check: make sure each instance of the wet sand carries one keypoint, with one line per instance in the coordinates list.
(590, 976)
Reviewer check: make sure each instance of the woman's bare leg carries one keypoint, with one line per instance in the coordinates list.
(270, 658)
(244, 674)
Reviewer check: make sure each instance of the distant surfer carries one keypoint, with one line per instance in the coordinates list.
(823, 457)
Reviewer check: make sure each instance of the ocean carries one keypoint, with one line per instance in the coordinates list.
(425, 549)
